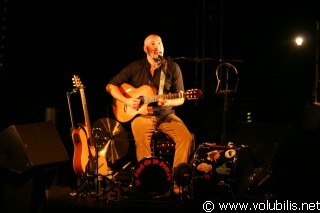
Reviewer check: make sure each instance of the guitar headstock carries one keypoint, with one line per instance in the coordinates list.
(192, 94)
(77, 82)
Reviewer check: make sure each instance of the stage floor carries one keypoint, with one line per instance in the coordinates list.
(278, 186)
(122, 197)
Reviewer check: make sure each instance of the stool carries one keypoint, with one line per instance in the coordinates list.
(162, 146)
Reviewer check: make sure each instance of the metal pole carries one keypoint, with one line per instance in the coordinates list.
(315, 101)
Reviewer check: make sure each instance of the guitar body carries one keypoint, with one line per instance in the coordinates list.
(81, 151)
(124, 113)
(147, 94)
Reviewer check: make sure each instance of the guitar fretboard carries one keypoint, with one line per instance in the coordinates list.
(151, 99)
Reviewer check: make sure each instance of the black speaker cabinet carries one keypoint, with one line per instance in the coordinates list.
(25, 146)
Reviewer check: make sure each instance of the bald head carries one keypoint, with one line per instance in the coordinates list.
(153, 47)
(152, 38)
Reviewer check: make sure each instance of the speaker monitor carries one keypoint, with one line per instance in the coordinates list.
(25, 146)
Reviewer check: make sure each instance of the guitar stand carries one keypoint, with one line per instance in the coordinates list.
(90, 184)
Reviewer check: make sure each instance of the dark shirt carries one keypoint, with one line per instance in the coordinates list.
(137, 74)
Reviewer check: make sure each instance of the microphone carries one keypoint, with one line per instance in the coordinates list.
(159, 59)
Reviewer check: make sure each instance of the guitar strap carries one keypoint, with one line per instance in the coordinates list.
(162, 77)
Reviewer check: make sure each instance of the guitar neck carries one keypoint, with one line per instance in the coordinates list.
(86, 114)
(151, 99)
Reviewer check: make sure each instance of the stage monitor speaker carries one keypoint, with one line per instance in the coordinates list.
(262, 138)
(25, 146)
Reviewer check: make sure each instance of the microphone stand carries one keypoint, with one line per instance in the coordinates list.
(226, 90)
(225, 111)
(315, 101)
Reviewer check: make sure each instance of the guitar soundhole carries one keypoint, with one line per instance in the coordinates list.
(76, 138)
(141, 100)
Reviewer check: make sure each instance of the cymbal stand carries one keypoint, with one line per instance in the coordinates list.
(110, 183)
(90, 185)
(113, 184)
(86, 188)
(96, 174)
(90, 180)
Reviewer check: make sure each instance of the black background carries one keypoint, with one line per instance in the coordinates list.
(44, 43)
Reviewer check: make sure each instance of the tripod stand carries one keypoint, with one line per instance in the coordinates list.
(90, 180)
(109, 183)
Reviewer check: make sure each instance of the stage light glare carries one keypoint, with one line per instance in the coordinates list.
(299, 41)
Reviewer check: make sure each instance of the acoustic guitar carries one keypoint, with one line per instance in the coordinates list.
(84, 158)
(147, 95)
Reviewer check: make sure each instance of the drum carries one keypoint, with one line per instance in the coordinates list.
(216, 165)
(152, 178)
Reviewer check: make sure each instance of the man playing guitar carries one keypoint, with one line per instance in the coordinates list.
(144, 77)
